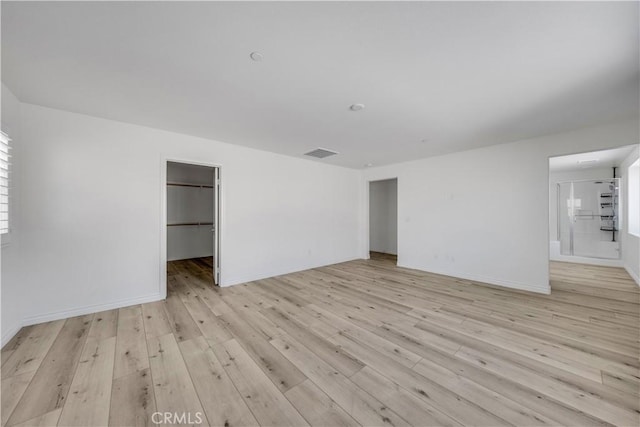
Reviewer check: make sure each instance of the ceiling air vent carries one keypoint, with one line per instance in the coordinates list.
(320, 153)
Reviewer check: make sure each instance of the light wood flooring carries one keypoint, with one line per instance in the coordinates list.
(358, 343)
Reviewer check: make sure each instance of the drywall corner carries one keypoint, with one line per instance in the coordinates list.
(10, 333)
(633, 275)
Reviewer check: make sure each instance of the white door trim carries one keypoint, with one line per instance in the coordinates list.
(163, 218)
(367, 207)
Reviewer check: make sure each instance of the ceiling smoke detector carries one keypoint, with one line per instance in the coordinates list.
(357, 107)
(321, 153)
(256, 56)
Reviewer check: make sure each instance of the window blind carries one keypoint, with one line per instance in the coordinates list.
(4, 182)
(633, 190)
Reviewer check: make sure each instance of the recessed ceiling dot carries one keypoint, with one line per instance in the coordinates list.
(424, 141)
(356, 107)
(368, 165)
(256, 56)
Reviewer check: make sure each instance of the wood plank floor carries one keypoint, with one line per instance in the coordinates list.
(358, 343)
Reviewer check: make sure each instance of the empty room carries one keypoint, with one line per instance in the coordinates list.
(320, 213)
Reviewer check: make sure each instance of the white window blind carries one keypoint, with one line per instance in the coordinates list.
(4, 183)
(633, 184)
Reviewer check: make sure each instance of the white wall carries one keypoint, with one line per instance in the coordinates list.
(189, 204)
(484, 214)
(383, 216)
(630, 243)
(89, 235)
(10, 293)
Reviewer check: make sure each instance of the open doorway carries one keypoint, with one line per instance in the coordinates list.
(193, 220)
(383, 219)
(586, 207)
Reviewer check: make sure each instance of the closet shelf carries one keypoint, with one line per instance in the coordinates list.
(184, 184)
(177, 224)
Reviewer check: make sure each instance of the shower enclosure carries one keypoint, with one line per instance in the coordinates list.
(588, 218)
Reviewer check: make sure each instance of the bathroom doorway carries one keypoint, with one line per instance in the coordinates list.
(586, 207)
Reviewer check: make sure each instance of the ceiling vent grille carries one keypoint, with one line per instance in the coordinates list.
(321, 153)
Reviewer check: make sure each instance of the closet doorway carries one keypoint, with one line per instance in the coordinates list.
(383, 220)
(193, 219)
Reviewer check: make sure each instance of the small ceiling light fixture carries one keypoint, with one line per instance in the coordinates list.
(357, 107)
(584, 162)
(424, 141)
(256, 56)
(368, 165)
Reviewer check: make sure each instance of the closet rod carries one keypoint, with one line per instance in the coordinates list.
(184, 184)
(189, 223)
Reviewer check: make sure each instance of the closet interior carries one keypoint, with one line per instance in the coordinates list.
(191, 213)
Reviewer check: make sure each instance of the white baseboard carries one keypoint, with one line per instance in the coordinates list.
(65, 314)
(590, 261)
(633, 275)
(238, 280)
(490, 280)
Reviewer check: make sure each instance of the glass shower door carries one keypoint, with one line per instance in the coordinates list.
(586, 223)
(588, 219)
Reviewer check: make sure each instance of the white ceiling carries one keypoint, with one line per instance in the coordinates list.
(603, 159)
(456, 74)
